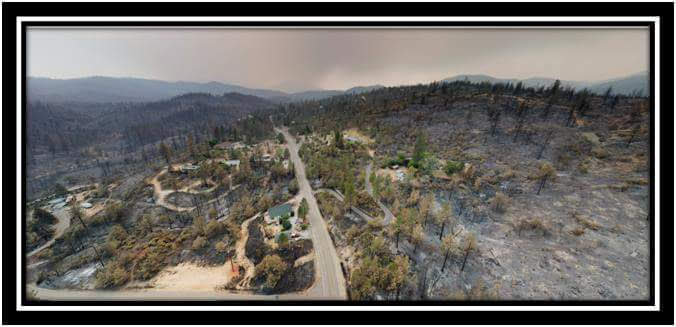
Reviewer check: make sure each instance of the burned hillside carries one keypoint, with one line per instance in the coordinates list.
(497, 190)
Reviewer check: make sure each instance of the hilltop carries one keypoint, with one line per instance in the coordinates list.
(639, 82)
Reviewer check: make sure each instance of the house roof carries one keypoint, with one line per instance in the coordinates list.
(279, 210)
(232, 162)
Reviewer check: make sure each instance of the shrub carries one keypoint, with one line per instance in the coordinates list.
(303, 208)
(532, 224)
(286, 225)
(221, 247)
(199, 243)
(117, 233)
(499, 202)
(234, 230)
(600, 152)
(577, 231)
(214, 228)
(583, 166)
(283, 239)
(293, 186)
(116, 236)
(43, 217)
(60, 190)
(115, 212)
(113, 275)
(468, 173)
(586, 223)
(272, 268)
(144, 226)
(198, 225)
(453, 167)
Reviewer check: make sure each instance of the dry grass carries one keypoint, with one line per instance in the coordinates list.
(509, 173)
(584, 165)
(586, 222)
(577, 231)
(353, 132)
(600, 153)
(499, 202)
(532, 224)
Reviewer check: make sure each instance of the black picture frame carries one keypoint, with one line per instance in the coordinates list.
(663, 10)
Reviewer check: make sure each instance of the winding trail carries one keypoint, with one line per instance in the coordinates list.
(329, 280)
(389, 217)
(63, 217)
(161, 195)
(240, 254)
(304, 259)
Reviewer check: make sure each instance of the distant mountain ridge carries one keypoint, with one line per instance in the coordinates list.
(100, 89)
(624, 85)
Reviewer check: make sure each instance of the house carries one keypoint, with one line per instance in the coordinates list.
(57, 200)
(281, 211)
(231, 163)
(223, 146)
(237, 145)
(401, 175)
(352, 139)
(189, 167)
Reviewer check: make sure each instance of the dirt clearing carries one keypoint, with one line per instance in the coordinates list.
(191, 277)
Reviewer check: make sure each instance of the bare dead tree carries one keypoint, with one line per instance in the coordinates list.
(544, 144)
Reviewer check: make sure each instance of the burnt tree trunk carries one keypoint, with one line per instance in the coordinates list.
(544, 145)
(542, 184)
(98, 256)
(464, 261)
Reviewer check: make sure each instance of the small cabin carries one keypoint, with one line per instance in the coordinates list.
(189, 168)
(231, 163)
(281, 211)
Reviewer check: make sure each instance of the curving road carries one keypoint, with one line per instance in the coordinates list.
(389, 217)
(63, 221)
(330, 282)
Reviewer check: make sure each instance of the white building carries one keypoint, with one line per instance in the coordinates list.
(231, 163)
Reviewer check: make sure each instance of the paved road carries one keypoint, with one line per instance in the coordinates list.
(330, 282)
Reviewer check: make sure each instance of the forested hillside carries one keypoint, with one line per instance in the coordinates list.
(69, 137)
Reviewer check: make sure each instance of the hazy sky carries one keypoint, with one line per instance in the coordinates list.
(299, 59)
